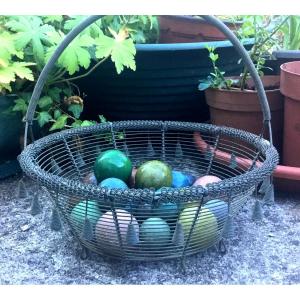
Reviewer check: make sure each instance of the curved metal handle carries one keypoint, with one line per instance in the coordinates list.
(89, 20)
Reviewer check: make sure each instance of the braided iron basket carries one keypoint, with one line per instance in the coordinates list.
(111, 222)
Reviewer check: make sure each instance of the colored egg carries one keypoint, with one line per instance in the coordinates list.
(112, 163)
(181, 179)
(155, 232)
(153, 174)
(113, 183)
(90, 178)
(204, 180)
(205, 231)
(106, 229)
(167, 211)
(219, 208)
(85, 208)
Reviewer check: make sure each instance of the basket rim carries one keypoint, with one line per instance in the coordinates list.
(239, 182)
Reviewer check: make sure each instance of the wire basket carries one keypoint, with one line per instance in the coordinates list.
(149, 224)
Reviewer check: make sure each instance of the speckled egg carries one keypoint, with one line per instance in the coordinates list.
(153, 174)
(204, 180)
(205, 231)
(106, 232)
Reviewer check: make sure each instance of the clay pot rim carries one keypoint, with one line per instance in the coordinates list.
(197, 20)
(284, 67)
(238, 90)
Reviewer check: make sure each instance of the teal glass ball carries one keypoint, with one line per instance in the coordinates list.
(80, 211)
(112, 163)
(155, 232)
(113, 183)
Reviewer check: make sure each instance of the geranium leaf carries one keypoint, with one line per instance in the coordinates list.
(60, 123)
(43, 118)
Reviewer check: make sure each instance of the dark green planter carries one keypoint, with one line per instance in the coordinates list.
(10, 131)
(163, 87)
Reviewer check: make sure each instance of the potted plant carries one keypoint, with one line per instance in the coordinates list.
(164, 85)
(233, 101)
(191, 29)
(28, 39)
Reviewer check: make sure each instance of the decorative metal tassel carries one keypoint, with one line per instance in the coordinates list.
(228, 231)
(178, 236)
(257, 214)
(87, 232)
(125, 149)
(178, 151)
(208, 153)
(131, 235)
(21, 190)
(35, 206)
(79, 160)
(55, 168)
(233, 163)
(55, 221)
(269, 195)
(150, 150)
(265, 185)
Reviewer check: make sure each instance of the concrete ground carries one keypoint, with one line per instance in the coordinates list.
(267, 252)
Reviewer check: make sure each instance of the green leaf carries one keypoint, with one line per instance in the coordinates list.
(76, 110)
(60, 123)
(76, 124)
(122, 51)
(7, 75)
(57, 114)
(43, 118)
(204, 85)
(21, 69)
(54, 93)
(45, 102)
(88, 123)
(31, 30)
(75, 55)
(102, 119)
(20, 105)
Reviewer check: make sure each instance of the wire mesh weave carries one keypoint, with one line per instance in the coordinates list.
(113, 222)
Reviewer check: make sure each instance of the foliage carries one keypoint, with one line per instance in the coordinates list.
(262, 29)
(289, 34)
(28, 42)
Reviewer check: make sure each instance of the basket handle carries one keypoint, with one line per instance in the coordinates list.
(91, 19)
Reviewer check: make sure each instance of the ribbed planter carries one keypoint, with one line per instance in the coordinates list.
(163, 87)
(188, 29)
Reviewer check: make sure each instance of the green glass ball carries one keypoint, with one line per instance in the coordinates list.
(78, 213)
(205, 231)
(155, 232)
(112, 163)
(153, 174)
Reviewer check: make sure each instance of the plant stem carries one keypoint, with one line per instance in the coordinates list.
(83, 75)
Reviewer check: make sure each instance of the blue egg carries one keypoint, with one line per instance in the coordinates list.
(219, 208)
(113, 183)
(181, 179)
(167, 211)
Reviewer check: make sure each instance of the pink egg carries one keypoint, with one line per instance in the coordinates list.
(204, 180)
(106, 232)
(132, 178)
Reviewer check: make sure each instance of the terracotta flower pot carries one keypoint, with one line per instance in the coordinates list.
(289, 87)
(188, 29)
(241, 109)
